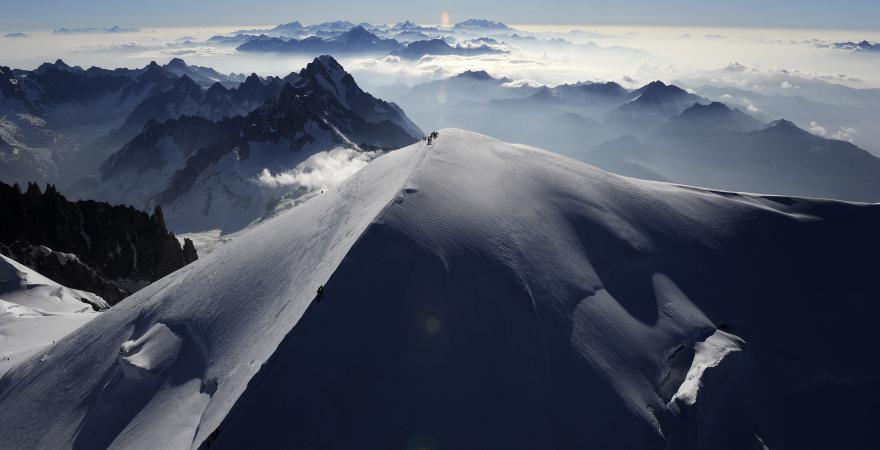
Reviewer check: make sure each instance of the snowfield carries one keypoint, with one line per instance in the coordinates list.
(480, 294)
(36, 311)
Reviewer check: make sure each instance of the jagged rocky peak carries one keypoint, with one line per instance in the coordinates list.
(322, 65)
(714, 111)
(783, 124)
(656, 84)
(356, 32)
(406, 25)
(155, 72)
(481, 75)
(113, 250)
(324, 73)
(186, 84)
(715, 116)
(785, 127)
(481, 24)
(711, 108)
(57, 65)
(158, 216)
(176, 63)
(658, 88)
(216, 89)
(291, 26)
(253, 80)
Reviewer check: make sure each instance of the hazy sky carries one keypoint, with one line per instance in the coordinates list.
(47, 14)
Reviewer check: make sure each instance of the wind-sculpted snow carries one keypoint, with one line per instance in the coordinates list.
(232, 311)
(479, 294)
(36, 311)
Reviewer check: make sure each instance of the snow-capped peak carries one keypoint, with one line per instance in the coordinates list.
(482, 294)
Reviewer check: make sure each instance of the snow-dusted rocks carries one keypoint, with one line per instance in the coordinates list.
(206, 174)
(479, 294)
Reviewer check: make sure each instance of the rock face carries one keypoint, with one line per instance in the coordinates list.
(207, 173)
(107, 249)
(61, 122)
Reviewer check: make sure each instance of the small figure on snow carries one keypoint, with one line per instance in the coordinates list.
(319, 294)
(430, 138)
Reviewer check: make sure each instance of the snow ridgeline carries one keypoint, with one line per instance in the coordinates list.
(36, 311)
(480, 294)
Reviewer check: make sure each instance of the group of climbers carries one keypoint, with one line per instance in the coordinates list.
(430, 138)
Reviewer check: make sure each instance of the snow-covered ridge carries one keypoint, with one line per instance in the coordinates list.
(25, 287)
(36, 311)
(480, 294)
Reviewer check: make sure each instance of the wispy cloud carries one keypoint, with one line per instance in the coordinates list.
(321, 171)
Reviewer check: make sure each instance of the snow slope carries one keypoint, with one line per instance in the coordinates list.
(480, 294)
(36, 311)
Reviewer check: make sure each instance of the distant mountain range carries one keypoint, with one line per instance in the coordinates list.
(718, 147)
(652, 105)
(164, 114)
(406, 40)
(60, 122)
(863, 46)
(418, 49)
(658, 131)
(204, 172)
(355, 40)
(197, 142)
(481, 25)
(296, 29)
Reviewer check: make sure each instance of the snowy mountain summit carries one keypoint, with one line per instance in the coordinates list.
(478, 294)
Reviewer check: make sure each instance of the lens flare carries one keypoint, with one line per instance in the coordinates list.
(444, 19)
(432, 325)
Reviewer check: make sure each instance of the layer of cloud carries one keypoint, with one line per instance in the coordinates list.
(843, 133)
(321, 171)
(87, 30)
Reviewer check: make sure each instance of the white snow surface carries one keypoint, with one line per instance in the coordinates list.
(480, 294)
(708, 354)
(36, 311)
(28, 288)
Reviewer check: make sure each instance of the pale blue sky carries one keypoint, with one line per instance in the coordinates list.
(47, 14)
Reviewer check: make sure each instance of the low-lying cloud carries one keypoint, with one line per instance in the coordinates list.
(321, 171)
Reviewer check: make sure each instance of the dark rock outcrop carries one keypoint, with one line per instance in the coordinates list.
(111, 250)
